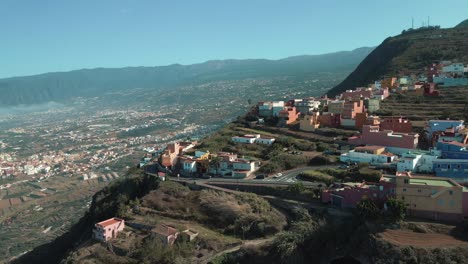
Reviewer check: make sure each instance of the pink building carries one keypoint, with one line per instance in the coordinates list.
(169, 157)
(351, 108)
(372, 135)
(397, 124)
(108, 229)
(348, 195)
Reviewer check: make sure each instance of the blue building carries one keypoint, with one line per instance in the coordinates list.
(451, 168)
(442, 125)
(453, 150)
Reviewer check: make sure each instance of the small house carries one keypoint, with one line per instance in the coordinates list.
(165, 233)
(108, 229)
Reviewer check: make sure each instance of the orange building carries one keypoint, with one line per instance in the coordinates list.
(288, 115)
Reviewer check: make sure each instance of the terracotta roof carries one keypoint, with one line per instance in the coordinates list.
(164, 230)
(110, 221)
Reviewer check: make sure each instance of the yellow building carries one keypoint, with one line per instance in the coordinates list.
(309, 122)
(431, 197)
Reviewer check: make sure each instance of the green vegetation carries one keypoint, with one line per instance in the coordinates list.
(367, 209)
(243, 215)
(317, 176)
(153, 251)
(330, 175)
(396, 209)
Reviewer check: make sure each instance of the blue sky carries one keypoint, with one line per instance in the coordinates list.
(61, 35)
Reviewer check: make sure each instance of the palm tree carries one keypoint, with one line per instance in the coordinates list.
(215, 163)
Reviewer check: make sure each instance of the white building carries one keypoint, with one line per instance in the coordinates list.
(277, 107)
(454, 68)
(266, 141)
(368, 154)
(307, 105)
(418, 161)
(247, 139)
(189, 165)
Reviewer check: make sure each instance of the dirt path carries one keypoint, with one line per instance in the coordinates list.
(255, 242)
(423, 240)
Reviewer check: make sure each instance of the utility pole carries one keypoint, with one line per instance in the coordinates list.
(412, 22)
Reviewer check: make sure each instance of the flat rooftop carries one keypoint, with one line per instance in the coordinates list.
(432, 182)
(109, 222)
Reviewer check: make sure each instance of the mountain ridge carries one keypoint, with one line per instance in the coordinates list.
(58, 86)
(408, 53)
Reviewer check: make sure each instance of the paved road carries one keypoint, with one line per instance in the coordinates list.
(291, 175)
(288, 177)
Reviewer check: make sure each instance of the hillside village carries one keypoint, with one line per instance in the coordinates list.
(389, 144)
(379, 159)
(334, 156)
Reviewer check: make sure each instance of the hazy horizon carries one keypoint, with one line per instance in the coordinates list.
(57, 36)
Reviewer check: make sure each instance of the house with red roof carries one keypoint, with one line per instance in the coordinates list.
(166, 234)
(108, 229)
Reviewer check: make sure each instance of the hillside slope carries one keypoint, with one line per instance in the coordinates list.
(408, 53)
(94, 82)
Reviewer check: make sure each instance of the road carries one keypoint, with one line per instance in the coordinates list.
(288, 177)
(291, 175)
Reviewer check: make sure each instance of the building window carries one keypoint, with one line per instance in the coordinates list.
(433, 192)
(406, 181)
(448, 166)
(438, 165)
(414, 205)
(451, 192)
(452, 203)
(440, 202)
(404, 189)
(419, 190)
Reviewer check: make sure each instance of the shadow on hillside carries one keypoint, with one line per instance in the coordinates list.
(460, 232)
(55, 251)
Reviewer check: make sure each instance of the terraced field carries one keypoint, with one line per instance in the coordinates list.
(453, 103)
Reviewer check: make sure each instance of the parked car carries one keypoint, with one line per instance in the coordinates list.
(260, 177)
(278, 175)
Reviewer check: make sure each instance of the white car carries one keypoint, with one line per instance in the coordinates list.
(278, 175)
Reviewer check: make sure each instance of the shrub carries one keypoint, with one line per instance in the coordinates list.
(317, 176)
(367, 209)
(321, 160)
(296, 188)
(396, 208)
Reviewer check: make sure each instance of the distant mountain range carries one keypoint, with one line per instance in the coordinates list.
(94, 82)
(409, 53)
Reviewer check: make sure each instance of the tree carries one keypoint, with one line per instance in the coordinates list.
(396, 208)
(367, 209)
(296, 188)
(215, 163)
